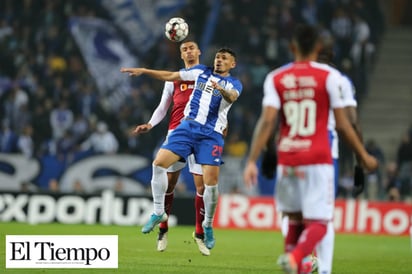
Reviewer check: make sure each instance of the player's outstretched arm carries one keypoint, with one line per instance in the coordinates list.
(157, 74)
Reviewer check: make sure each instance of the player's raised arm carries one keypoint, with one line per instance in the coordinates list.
(157, 74)
(230, 95)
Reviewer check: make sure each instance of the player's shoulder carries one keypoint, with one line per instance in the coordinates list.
(196, 67)
(325, 67)
(347, 84)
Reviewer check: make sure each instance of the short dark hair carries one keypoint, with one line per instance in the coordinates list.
(306, 37)
(188, 41)
(227, 50)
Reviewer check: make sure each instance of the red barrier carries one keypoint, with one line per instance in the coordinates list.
(351, 216)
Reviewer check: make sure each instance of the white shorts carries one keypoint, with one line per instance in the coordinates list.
(194, 167)
(307, 189)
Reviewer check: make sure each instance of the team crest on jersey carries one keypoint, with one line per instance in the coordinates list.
(222, 83)
(289, 81)
(183, 86)
(216, 92)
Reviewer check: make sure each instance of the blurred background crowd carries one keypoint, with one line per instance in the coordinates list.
(50, 104)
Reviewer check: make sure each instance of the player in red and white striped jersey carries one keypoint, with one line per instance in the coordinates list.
(301, 94)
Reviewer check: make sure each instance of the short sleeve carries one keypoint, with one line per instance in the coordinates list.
(334, 89)
(270, 94)
(348, 92)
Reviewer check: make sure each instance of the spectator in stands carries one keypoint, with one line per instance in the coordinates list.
(341, 27)
(66, 147)
(102, 140)
(61, 120)
(404, 152)
(87, 100)
(8, 138)
(361, 53)
(25, 142)
(78, 187)
(54, 185)
(392, 182)
(80, 128)
(404, 163)
(16, 107)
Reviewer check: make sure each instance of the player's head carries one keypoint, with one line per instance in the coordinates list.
(326, 54)
(189, 52)
(225, 60)
(305, 42)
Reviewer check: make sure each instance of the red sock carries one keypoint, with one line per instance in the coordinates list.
(295, 228)
(200, 213)
(309, 238)
(168, 208)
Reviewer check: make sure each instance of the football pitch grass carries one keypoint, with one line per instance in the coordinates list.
(236, 251)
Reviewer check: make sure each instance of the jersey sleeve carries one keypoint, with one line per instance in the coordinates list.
(191, 74)
(160, 112)
(348, 92)
(334, 89)
(270, 94)
(236, 85)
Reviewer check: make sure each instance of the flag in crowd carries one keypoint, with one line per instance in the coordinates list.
(104, 53)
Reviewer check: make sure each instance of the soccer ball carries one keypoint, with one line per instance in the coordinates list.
(176, 29)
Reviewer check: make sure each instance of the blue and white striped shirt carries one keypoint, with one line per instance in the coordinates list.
(206, 105)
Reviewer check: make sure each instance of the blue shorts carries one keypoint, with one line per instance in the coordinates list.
(192, 137)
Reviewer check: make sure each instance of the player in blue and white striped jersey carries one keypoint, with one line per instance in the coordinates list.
(200, 133)
(325, 248)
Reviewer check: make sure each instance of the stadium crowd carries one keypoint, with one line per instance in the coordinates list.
(49, 103)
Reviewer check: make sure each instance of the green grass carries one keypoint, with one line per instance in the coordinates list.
(236, 251)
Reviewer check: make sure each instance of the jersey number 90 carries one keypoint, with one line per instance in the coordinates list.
(301, 117)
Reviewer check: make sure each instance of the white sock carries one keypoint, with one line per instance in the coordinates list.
(210, 198)
(159, 187)
(284, 227)
(324, 250)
